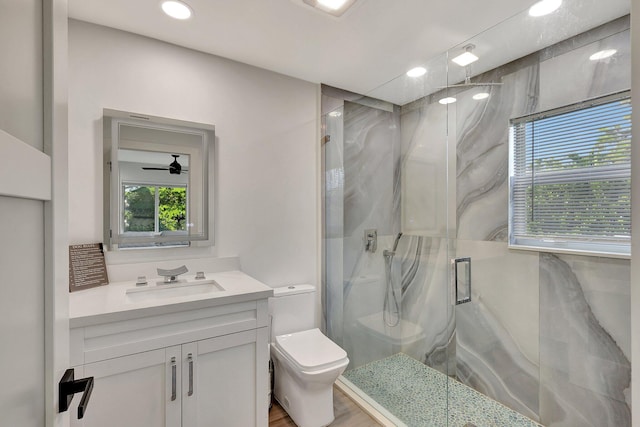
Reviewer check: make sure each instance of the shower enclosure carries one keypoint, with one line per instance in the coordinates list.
(417, 174)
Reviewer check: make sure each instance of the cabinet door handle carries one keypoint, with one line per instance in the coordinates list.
(173, 379)
(190, 359)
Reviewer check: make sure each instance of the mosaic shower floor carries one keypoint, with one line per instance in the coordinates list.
(417, 395)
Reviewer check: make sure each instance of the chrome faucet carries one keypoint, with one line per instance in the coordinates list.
(171, 276)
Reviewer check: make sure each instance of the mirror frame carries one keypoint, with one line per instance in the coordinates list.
(113, 120)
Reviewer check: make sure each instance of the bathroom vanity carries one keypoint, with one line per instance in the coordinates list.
(188, 355)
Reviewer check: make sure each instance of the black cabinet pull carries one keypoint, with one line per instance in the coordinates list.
(67, 387)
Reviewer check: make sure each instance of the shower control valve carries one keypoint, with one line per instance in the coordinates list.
(371, 240)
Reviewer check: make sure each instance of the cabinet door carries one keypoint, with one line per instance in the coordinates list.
(133, 391)
(229, 381)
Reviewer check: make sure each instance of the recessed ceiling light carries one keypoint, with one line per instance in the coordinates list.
(416, 72)
(333, 7)
(603, 54)
(332, 4)
(176, 9)
(544, 7)
(467, 57)
(481, 95)
(335, 114)
(448, 100)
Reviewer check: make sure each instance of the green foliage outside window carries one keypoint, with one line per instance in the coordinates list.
(140, 208)
(172, 212)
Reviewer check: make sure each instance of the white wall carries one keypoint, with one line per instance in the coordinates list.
(266, 134)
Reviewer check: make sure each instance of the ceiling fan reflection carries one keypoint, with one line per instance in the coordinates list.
(174, 168)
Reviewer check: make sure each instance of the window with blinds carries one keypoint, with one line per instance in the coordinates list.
(570, 177)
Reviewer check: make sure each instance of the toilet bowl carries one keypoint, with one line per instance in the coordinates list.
(306, 362)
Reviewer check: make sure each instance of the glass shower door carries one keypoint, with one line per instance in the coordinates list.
(387, 248)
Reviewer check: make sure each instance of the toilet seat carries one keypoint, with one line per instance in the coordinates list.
(310, 350)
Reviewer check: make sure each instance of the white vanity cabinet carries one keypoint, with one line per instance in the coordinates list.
(217, 377)
(205, 366)
(131, 390)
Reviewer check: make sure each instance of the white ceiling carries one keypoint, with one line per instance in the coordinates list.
(371, 44)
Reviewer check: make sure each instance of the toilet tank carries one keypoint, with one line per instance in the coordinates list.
(292, 309)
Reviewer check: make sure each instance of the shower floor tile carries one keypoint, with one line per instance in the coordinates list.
(417, 395)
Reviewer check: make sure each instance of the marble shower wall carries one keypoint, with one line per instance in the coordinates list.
(419, 273)
(428, 193)
(371, 179)
(547, 335)
(408, 314)
(361, 190)
(585, 342)
(497, 333)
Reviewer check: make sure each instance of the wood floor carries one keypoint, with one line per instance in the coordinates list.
(347, 414)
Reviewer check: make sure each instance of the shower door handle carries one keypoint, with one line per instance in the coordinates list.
(461, 279)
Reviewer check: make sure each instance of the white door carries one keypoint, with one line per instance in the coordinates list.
(22, 308)
(33, 331)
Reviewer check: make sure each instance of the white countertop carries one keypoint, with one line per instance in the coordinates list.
(110, 303)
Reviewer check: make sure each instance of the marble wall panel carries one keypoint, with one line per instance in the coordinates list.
(428, 192)
(585, 371)
(596, 78)
(371, 159)
(483, 153)
(371, 177)
(497, 332)
(365, 338)
(407, 313)
(361, 192)
(420, 276)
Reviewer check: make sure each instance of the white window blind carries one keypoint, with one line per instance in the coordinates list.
(570, 177)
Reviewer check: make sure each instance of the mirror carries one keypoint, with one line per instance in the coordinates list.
(158, 181)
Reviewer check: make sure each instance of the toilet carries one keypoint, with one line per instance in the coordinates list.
(306, 362)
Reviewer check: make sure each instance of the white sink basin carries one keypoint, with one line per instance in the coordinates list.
(180, 288)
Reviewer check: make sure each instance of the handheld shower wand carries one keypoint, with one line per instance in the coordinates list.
(390, 253)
